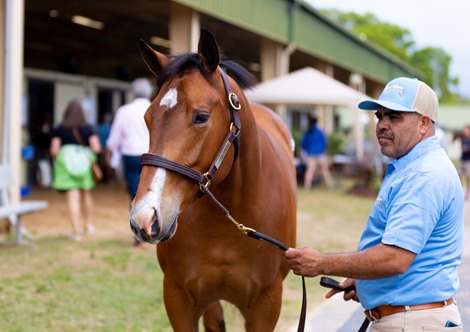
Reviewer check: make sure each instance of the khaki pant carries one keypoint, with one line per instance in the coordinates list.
(419, 321)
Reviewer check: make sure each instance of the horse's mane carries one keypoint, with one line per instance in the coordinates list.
(181, 63)
(240, 74)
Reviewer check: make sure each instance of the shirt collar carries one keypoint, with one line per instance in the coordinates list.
(418, 150)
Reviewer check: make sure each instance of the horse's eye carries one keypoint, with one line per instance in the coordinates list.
(201, 118)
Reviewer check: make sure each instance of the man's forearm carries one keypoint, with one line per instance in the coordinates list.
(378, 262)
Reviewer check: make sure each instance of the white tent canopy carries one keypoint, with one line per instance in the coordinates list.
(307, 86)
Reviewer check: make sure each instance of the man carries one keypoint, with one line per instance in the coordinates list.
(405, 269)
(129, 134)
(314, 148)
(465, 159)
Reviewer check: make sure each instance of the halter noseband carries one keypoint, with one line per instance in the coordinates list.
(233, 135)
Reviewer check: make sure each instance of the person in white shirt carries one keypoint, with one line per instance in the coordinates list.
(129, 135)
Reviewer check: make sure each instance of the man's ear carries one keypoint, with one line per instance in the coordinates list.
(425, 124)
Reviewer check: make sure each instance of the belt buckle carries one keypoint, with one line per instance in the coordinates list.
(370, 315)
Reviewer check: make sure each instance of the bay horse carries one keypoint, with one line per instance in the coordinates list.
(200, 120)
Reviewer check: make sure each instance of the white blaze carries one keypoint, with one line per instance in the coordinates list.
(144, 209)
(157, 186)
(170, 98)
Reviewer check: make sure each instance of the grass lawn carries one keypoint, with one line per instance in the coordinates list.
(103, 284)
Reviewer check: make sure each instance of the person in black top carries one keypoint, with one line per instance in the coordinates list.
(74, 146)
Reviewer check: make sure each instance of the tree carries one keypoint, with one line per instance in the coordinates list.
(433, 62)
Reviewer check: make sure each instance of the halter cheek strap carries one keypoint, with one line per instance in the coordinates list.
(233, 101)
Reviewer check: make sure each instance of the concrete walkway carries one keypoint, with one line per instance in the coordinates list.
(336, 315)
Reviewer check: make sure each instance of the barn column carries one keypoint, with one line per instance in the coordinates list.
(184, 29)
(11, 77)
(2, 69)
(275, 62)
(325, 112)
(375, 144)
(356, 81)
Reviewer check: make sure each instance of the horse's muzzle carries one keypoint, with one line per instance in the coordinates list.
(156, 234)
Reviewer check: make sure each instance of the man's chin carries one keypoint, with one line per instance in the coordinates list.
(386, 152)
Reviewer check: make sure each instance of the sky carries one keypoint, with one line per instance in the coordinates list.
(434, 23)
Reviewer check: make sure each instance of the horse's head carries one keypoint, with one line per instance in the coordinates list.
(188, 120)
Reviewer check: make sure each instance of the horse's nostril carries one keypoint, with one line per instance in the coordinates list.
(155, 229)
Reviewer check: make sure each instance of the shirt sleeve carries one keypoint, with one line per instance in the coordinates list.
(412, 214)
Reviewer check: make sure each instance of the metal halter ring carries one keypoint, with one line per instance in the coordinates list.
(233, 99)
(207, 183)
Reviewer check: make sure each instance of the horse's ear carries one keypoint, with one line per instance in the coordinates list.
(153, 59)
(208, 50)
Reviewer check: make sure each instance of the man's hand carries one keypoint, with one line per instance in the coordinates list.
(305, 261)
(351, 295)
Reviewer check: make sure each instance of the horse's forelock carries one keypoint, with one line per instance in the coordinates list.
(177, 66)
(180, 63)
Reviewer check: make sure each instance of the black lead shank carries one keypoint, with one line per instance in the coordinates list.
(334, 284)
(264, 237)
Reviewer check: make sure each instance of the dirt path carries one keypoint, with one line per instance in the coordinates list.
(110, 214)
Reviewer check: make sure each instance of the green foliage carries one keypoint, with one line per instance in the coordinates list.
(336, 141)
(395, 39)
(433, 62)
(297, 136)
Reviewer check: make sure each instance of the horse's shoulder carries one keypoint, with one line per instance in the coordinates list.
(270, 121)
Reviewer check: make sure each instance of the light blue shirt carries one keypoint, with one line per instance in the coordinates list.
(419, 208)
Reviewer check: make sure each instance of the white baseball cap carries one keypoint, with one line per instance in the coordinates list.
(405, 94)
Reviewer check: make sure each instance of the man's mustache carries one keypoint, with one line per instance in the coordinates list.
(384, 134)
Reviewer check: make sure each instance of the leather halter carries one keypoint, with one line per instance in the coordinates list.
(233, 135)
(204, 179)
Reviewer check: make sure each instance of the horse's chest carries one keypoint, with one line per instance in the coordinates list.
(215, 270)
(221, 283)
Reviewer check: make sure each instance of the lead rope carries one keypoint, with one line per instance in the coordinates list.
(260, 236)
(364, 325)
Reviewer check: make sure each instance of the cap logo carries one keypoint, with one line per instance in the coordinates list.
(399, 88)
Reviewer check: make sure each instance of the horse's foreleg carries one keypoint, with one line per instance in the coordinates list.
(263, 313)
(182, 315)
(214, 318)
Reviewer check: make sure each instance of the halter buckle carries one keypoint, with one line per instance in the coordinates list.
(234, 129)
(206, 184)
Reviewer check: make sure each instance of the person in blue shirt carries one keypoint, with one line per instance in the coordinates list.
(103, 129)
(314, 145)
(405, 268)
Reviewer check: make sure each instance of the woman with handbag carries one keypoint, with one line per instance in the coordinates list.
(74, 147)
